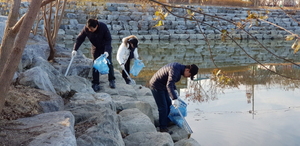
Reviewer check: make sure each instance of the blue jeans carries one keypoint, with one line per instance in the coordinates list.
(163, 103)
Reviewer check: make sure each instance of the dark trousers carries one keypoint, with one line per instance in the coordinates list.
(127, 68)
(163, 103)
(111, 74)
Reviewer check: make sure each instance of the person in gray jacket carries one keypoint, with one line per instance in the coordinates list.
(127, 50)
(163, 88)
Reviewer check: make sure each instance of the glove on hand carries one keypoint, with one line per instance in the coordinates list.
(175, 103)
(177, 94)
(74, 53)
(106, 54)
(122, 66)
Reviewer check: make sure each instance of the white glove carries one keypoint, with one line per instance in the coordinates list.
(177, 94)
(175, 103)
(122, 66)
(74, 53)
(106, 54)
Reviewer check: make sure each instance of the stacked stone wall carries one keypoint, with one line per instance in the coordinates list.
(127, 18)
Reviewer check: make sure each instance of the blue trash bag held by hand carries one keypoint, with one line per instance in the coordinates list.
(174, 114)
(137, 67)
(101, 64)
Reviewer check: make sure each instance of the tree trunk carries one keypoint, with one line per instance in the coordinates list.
(17, 38)
(9, 34)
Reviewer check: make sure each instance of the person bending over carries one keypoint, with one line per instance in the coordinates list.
(163, 88)
(127, 50)
(100, 38)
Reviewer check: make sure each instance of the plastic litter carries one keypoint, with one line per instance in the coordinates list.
(177, 115)
(137, 67)
(101, 64)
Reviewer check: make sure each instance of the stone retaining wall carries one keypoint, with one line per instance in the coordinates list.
(127, 18)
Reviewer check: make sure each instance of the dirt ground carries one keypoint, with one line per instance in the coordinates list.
(21, 102)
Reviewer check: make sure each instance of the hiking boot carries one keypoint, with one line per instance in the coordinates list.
(96, 87)
(112, 84)
(166, 130)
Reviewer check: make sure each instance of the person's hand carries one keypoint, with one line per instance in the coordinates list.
(175, 103)
(106, 54)
(122, 66)
(176, 92)
(74, 53)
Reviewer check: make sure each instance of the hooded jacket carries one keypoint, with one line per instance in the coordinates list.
(166, 77)
(124, 51)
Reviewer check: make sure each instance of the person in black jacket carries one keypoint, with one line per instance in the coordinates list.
(100, 38)
(163, 88)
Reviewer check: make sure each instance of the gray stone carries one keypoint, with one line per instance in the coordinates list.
(133, 120)
(149, 139)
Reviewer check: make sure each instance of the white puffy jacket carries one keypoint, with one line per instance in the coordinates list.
(123, 51)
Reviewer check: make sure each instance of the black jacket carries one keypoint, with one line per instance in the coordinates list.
(100, 39)
(166, 77)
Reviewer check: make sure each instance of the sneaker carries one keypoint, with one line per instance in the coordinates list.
(166, 130)
(96, 87)
(112, 84)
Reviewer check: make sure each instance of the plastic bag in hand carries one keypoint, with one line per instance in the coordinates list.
(137, 67)
(175, 117)
(101, 64)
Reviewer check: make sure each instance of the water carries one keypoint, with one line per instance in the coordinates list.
(268, 118)
(246, 104)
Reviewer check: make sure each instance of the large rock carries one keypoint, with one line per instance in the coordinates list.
(80, 84)
(48, 129)
(150, 100)
(133, 120)
(187, 142)
(38, 48)
(149, 139)
(104, 132)
(85, 105)
(55, 102)
(36, 78)
(125, 102)
(60, 83)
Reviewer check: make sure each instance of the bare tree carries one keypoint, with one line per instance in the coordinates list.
(51, 15)
(52, 24)
(14, 41)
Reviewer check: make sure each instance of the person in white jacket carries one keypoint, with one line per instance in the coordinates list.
(127, 50)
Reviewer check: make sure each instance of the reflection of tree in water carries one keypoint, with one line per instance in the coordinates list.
(204, 90)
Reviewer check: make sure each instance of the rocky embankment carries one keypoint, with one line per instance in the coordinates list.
(68, 112)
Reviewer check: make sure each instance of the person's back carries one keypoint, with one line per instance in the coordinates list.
(167, 75)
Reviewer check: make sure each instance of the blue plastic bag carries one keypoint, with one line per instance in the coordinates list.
(174, 114)
(137, 67)
(101, 64)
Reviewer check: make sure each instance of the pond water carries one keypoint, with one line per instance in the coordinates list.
(247, 103)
